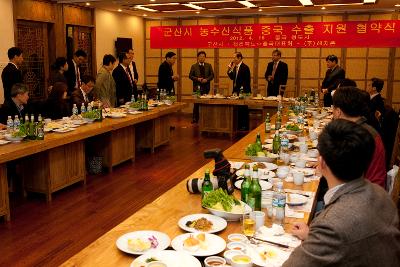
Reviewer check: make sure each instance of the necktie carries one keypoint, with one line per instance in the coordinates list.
(128, 73)
(202, 71)
(236, 73)
(78, 77)
(274, 68)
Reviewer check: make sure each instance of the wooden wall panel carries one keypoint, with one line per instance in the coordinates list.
(267, 20)
(35, 10)
(310, 52)
(377, 68)
(152, 52)
(358, 17)
(152, 65)
(149, 24)
(78, 16)
(206, 21)
(378, 52)
(189, 22)
(187, 86)
(396, 95)
(331, 51)
(186, 65)
(227, 52)
(355, 68)
(357, 52)
(311, 71)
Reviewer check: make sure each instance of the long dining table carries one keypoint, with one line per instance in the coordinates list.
(59, 160)
(164, 213)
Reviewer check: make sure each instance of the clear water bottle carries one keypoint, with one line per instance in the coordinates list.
(158, 94)
(172, 92)
(74, 110)
(10, 125)
(278, 204)
(133, 99)
(16, 123)
(284, 143)
(89, 107)
(83, 108)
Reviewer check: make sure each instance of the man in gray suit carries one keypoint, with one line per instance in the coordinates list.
(359, 225)
(201, 74)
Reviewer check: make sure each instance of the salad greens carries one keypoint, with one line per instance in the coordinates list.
(90, 114)
(253, 149)
(219, 198)
(292, 127)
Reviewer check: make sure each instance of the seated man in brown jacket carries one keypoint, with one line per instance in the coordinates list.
(83, 95)
(359, 224)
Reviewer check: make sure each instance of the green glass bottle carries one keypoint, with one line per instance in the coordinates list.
(255, 191)
(276, 143)
(207, 186)
(40, 128)
(258, 142)
(32, 128)
(267, 124)
(278, 121)
(245, 187)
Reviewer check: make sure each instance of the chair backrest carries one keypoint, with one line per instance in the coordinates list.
(282, 89)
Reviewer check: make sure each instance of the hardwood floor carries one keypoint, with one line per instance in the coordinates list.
(42, 234)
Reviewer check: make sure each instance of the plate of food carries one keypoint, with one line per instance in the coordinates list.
(219, 203)
(140, 242)
(296, 199)
(63, 130)
(264, 165)
(3, 142)
(305, 171)
(268, 255)
(116, 115)
(264, 184)
(15, 136)
(199, 244)
(202, 223)
(168, 258)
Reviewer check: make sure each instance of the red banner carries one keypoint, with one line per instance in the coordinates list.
(377, 33)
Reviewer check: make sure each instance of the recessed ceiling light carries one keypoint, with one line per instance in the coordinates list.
(194, 6)
(369, 1)
(397, 5)
(146, 8)
(144, 15)
(323, 7)
(152, 0)
(119, 10)
(87, 3)
(197, 12)
(247, 4)
(260, 9)
(306, 2)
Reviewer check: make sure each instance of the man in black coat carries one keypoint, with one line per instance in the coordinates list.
(374, 89)
(166, 77)
(132, 68)
(276, 73)
(332, 77)
(73, 74)
(239, 73)
(17, 103)
(11, 73)
(124, 80)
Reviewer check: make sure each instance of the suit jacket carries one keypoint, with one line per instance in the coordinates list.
(165, 73)
(377, 104)
(10, 76)
(104, 89)
(124, 88)
(10, 109)
(280, 77)
(358, 227)
(57, 109)
(331, 82)
(208, 74)
(242, 79)
(78, 98)
(70, 75)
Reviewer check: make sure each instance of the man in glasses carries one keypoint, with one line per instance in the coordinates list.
(332, 77)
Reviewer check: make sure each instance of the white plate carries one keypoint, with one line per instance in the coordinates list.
(9, 137)
(117, 115)
(135, 112)
(63, 130)
(230, 216)
(296, 199)
(219, 223)
(306, 171)
(168, 257)
(3, 142)
(264, 184)
(279, 256)
(268, 165)
(163, 241)
(269, 141)
(214, 245)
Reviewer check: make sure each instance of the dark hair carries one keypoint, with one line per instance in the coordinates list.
(87, 79)
(347, 82)
(59, 63)
(169, 54)
(277, 51)
(107, 59)
(122, 56)
(347, 149)
(351, 101)
(239, 55)
(57, 92)
(332, 58)
(201, 53)
(378, 84)
(14, 51)
(80, 53)
(18, 88)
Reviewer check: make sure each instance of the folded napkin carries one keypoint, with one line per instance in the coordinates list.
(236, 164)
(290, 213)
(277, 234)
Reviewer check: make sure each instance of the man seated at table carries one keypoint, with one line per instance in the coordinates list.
(359, 225)
(16, 105)
(83, 95)
(350, 103)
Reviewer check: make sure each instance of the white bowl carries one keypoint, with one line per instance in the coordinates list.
(241, 261)
(230, 253)
(236, 246)
(230, 216)
(237, 237)
(218, 259)
(11, 138)
(88, 120)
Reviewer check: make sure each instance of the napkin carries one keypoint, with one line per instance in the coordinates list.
(236, 164)
(277, 234)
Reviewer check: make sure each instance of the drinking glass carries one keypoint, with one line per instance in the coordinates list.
(249, 225)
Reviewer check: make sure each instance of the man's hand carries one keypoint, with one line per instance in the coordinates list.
(324, 90)
(300, 230)
(203, 81)
(175, 77)
(270, 78)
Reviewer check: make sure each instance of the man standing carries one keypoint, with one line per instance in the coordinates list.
(239, 73)
(123, 79)
(11, 73)
(166, 77)
(359, 224)
(201, 74)
(73, 74)
(375, 86)
(132, 68)
(332, 77)
(276, 74)
(83, 95)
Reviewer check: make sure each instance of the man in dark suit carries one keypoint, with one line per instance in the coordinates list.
(374, 89)
(73, 74)
(11, 73)
(239, 73)
(124, 80)
(83, 95)
(166, 77)
(359, 225)
(276, 73)
(332, 77)
(132, 68)
(201, 74)
(17, 103)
